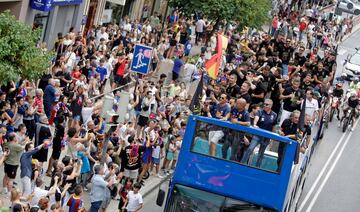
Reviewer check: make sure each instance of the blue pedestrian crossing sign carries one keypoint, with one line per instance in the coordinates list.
(142, 59)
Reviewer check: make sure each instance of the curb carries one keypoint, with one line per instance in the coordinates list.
(156, 186)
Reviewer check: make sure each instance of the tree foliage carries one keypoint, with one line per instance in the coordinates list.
(19, 56)
(248, 13)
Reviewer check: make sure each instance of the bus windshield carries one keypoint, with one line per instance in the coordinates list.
(186, 199)
(238, 146)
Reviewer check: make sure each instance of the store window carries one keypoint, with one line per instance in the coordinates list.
(40, 22)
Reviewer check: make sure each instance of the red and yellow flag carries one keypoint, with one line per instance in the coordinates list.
(212, 66)
(222, 43)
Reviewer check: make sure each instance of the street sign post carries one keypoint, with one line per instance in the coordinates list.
(142, 59)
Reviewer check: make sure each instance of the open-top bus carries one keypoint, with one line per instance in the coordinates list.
(204, 182)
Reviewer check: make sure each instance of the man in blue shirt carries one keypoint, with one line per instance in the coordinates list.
(222, 112)
(236, 139)
(102, 70)
(178, 64)
(26, 166)
(265, 119)
(49, 97)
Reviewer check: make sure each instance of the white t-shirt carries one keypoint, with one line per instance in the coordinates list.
(72, 59)
(100, 35)
(311, 107)
(38, 194)
(200, 25)
(135, 200)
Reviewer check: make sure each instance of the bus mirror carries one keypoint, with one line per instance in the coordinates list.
(160, 197)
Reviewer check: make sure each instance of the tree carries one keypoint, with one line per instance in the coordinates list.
(19, 56)
(248, 13)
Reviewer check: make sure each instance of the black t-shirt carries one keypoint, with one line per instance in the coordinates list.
(268, 81)
(85, 71)
(288, 127)
(320, 74)
(233, 91)
(76, 105)
(328, 64)
(132, 156)
(285, 54)
(247, 97)
(66, 76)
(258, 90)
(277, 45)
(338, 93)
(353, 103)
(299, 60)
(290, 104)
(183, 37)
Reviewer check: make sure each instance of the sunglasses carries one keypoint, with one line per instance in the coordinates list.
(222, 97)
(267, 104)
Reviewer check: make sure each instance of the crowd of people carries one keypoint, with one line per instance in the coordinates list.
(264, 79)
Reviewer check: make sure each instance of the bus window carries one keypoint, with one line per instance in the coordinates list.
(186, 199)
(238, 146)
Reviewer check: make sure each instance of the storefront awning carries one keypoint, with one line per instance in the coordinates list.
(119, 2)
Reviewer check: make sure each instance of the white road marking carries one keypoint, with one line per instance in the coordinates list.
(342, 51)
(330, 170)
(321, 173)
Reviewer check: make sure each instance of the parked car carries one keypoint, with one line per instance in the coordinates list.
(352, 65)
(348, 6)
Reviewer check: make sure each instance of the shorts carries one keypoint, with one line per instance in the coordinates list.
(170, 156)
(156, 160)
(10, 170)
(143, 121)
(76, 118)
(176, 155)
(132, 174)
(215, 136)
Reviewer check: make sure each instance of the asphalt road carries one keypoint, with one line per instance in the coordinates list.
(332, 183)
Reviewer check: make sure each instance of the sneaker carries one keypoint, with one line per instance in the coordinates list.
(338, 117)
(85, 188)
(339, 125)
(159, 176)
(167, 173)
(171, 171)
(351, 129)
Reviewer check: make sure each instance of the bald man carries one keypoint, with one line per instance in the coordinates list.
(236, 139)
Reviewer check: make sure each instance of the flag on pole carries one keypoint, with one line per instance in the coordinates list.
(301, 123)
(212, 66)
(195, 102)
(222, 43)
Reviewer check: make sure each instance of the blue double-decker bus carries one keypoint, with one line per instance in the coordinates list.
(221, 183)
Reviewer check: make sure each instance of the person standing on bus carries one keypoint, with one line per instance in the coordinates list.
(289, 128)
(265, 119)
(238, 115)
(222, 112)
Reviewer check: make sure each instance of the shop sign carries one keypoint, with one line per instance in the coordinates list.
(65, 2)
(42, 5)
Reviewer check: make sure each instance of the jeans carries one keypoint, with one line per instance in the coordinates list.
(26, 183)
(301, 35)
(285, 69)
(234, 140)
(273, 30)
(256, 140)
(95, 206)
